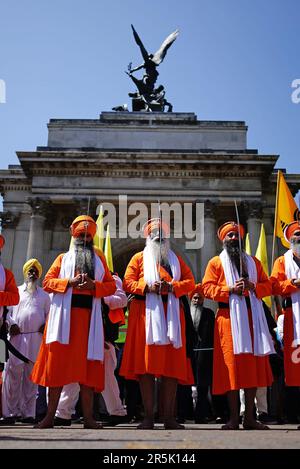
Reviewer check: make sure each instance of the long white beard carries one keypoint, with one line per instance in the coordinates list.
(296, 249)
(196, 313)
(159, 254)
(31, 286)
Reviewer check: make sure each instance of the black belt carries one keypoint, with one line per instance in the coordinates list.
(143, 298)
(226, 305)
(82, 301)
(287, 302)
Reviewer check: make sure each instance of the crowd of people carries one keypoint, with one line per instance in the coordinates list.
(91, 348)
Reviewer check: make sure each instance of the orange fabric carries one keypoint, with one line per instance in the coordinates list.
(59, 364)
(83, 223)
(230, 226)
(198, 289)
(284, 287)
(10, 295)
(290, 230)
(117, 316)
(233, 372)
(158, 360)
(2, 241)
(153, 224)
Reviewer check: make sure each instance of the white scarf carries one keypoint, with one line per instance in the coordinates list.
(241, 336)
(58, 329)
(157, 331)
(293, 271)
(2, 285)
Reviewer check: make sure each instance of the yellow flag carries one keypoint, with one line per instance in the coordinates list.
(261, 254)
(247, 245)
(108, 251)
(99, 236)
(286, 208)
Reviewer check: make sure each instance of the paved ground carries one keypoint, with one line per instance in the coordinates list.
(127, 437)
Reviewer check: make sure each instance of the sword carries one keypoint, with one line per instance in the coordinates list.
(160, 240)
(240, 239)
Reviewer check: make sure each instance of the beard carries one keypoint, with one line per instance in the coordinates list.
(31, 286)
(196, 313)
(84, 257)
(233, 250)
(295, 246)
(156, 252)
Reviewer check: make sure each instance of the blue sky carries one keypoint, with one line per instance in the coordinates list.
(233, 60)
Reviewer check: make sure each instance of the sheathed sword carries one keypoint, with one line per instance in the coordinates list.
(160, 240)
(240, 239)
(8, 345)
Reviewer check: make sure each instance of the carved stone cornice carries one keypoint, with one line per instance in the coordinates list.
(39, 206)
(9, 220)
(253, 209)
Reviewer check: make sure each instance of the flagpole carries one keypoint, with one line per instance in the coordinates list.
(275, 221)
(273, 300)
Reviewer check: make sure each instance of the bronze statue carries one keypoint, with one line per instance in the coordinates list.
(149, 98)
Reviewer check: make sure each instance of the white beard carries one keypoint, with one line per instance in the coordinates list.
(156, 252)
(296, 249)
(31, 286)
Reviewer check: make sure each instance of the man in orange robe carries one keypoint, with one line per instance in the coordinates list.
(285, 278)
(73, 344)
(242, 340)
(9, 293)
(155, 344)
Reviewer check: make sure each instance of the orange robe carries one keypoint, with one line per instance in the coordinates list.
(10, 295)
(59, 364)
(284, 287)
(230, 371)
(159, 360)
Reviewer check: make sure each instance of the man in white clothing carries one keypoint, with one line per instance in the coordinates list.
(26, 323)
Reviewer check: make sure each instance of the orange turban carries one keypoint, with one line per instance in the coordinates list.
(198, 289)
(83, 223)
(230, 226)
(2, 242)
(290, 230)
(153, 224)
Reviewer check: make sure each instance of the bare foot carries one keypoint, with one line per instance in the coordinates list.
(92, 425)
(147, 424)
(45, 423)
(254, 425)
(230, 426)
(173, 425)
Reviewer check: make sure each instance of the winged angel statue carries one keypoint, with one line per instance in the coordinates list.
(148, 97)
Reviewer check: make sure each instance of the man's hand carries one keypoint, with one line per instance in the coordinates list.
(14, 330)
(238, 287)
(248, 285)
(296, 282)
(166, 287)
(75, 281)
(86, 283)
(155, 288)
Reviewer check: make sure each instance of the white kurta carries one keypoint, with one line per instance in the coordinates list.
(18, 391)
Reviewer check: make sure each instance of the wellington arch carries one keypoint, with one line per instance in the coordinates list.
(173, 157)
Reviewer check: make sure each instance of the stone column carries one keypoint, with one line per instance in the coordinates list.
(9, 222)
(35, 247)
(254, 213)
(209, 248)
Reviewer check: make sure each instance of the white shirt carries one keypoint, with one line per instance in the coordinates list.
(30, 314)
(119, 298)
